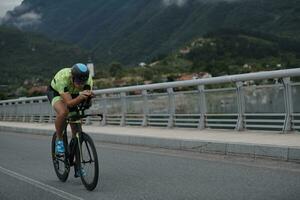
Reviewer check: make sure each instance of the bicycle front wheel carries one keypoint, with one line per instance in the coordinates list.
(60, 164)
(89, 162)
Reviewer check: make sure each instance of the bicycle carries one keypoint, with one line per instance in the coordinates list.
(81, 157)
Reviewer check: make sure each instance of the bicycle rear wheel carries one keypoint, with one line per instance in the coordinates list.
(61, 166)
(89, 162)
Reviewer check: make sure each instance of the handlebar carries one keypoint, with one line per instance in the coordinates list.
(85, 104)
(77, 112)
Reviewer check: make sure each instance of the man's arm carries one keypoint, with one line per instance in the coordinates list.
(67, 98)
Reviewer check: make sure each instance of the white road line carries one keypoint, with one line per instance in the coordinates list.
(40, 185)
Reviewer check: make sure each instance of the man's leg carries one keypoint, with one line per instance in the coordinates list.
(74, 129)
(61, 114)
(78, 171)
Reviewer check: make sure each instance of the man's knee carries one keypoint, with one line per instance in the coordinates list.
(61, 109)
(63, 113)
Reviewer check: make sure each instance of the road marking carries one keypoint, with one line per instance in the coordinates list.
(40, 185)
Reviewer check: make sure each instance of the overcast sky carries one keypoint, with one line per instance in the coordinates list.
(6, 5)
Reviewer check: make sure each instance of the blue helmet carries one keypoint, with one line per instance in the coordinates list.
(80, 73)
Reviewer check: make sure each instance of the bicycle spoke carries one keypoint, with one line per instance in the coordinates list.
(89, 163)
(88, 148)
(61, 167)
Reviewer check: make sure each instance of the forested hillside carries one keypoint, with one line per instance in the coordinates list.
(133, 31)
(28, 56)
(171, 36)
(223, 52)
(235, 51)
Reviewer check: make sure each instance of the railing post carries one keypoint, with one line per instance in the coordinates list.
(32, 115)
(171, 107)
(145, 108)
(11, 117)
(202, 107)
(88, 121)
(124, 109)
(241, 106)
(103, 122)
(24, 114)
(1, 112)
(41, 113)
(288, 104)
(5, 111)
(51, 115)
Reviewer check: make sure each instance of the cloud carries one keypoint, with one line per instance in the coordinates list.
(22, 16)
(181, 3)
(6, 5)
(174, 2)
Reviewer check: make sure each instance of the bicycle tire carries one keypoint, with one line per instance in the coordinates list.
(89, 154)
(60, 165)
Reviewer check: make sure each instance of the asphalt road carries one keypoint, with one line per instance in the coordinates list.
(128, 172)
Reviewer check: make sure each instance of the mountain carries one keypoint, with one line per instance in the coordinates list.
(132, 31)
(29, 56)
(236, 51)
(222, 52)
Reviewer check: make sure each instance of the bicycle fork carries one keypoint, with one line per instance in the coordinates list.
(79, 146)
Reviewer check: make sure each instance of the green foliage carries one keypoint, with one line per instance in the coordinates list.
(236, 37)
(223, 52)
(26, 56)
(115, 69)
(236, 51)
(140, 30)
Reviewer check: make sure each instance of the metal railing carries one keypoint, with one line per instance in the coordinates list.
(269, 105)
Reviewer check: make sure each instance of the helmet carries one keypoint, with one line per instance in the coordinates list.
(80, 73)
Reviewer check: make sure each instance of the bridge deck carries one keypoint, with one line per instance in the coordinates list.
(252, 143)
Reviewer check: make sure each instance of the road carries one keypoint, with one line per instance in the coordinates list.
(130, 172)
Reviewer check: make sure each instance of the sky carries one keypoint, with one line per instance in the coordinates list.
(6, 5)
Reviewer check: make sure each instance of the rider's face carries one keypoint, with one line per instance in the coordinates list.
(78, 84)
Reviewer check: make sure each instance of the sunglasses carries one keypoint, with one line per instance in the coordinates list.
(79, 81)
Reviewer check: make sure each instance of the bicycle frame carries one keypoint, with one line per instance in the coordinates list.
(70, 153)
(75, 151)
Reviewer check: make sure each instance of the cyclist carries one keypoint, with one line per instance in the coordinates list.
(68, 88)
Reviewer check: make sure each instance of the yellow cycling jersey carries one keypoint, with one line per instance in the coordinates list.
(62, 82)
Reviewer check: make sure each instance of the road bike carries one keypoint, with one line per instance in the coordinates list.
(80, 152)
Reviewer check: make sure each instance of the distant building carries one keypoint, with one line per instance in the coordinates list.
(247, 66)
(185, 50)
(147, 82)
(154, 63)
(120, 82)
(37, 90)
(142, 64)
(204, 75)
(185, 77)
(193, 76)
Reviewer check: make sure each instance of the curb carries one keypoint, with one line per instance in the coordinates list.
(285, 153)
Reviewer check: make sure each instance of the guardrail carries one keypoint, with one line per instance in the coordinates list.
(270, 105)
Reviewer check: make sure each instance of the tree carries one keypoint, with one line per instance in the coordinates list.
(115, 69)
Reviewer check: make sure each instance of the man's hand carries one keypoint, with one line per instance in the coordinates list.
(87, 94)
(92, 95)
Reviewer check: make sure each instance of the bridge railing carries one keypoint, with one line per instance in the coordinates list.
(262, 100)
